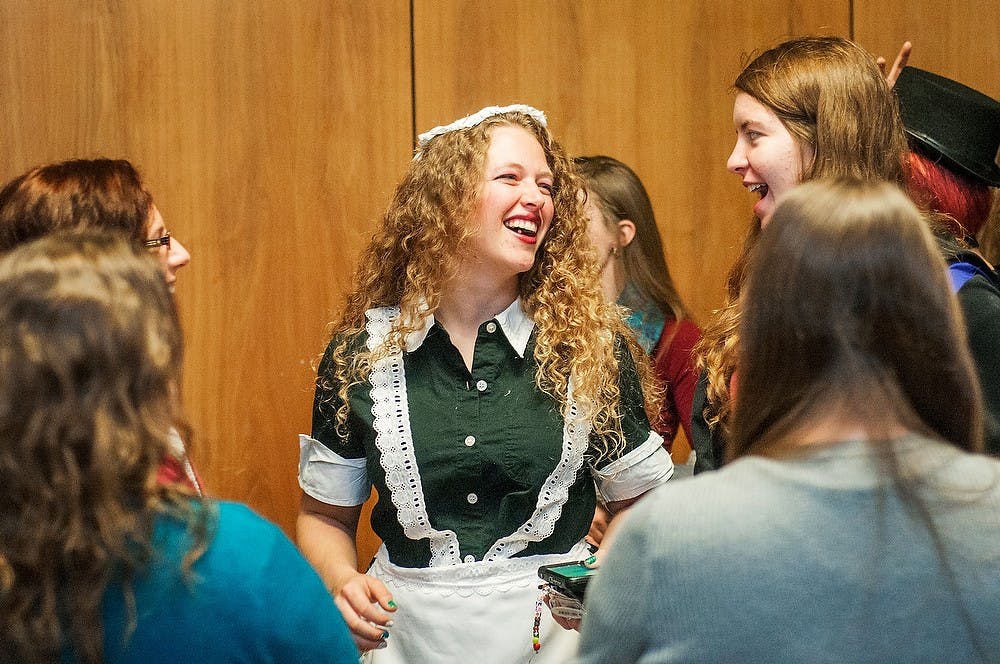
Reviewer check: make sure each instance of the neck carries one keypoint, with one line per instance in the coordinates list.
(466, 306)
(612, 277)
(834, 428)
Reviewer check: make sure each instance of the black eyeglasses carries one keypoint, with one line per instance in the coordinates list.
(158, 242)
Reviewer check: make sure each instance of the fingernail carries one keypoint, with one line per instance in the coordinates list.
(590, 562)
(381, 644)
(385, 635)
(388, 623)
(392, 604)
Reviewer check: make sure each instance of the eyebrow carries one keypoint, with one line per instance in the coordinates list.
(521, 167)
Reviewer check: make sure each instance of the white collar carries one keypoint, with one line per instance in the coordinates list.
(513, 321)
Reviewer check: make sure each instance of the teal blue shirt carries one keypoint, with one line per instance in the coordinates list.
(253, 598)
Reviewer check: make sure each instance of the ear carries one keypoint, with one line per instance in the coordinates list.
(626, 232)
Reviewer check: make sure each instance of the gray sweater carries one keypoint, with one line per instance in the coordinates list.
(808, 560)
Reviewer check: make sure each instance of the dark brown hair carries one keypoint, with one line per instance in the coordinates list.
(81, 193)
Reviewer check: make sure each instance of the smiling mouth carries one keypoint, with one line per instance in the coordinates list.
(522, 227)
(760, 189)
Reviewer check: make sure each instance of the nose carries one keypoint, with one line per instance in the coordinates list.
(737, 162)
(179, 256)
(533, 196)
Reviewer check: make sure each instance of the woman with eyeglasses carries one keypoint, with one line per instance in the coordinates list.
(102, 194)
(87, 193)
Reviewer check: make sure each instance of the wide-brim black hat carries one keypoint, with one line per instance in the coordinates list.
(951, 122)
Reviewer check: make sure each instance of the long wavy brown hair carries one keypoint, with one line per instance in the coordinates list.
(829, 94)
(104, 194)
(424, 235)
(90, 354)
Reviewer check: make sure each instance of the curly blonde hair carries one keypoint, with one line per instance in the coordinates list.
(90, 352)
(829, 94)
(423, 235)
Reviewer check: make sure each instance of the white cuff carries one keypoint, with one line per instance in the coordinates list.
(644, 468)
(329, 477)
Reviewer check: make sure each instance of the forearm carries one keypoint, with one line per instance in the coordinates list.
(328, 544)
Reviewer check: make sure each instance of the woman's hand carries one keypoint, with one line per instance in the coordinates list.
(598, 526)
(566, 611)
(901, 59)
(364, 602)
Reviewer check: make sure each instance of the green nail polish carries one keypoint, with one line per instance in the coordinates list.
(392, 604)
(590, 561)
(385, 635)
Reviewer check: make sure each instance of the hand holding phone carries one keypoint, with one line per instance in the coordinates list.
(569, 579)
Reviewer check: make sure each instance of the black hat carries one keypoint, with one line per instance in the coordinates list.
(951, 122)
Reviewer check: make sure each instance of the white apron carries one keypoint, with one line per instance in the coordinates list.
(480, 612)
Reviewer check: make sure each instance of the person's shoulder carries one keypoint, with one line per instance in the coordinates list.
(240, 521)
(692, 499)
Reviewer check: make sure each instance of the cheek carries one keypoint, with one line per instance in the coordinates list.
(163, 255)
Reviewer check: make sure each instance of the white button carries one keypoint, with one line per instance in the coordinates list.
(491, 327)
(470, 441)
(470, 559)
(472, 498)
(481, 385)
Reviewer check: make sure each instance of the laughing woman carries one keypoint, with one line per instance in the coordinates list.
(808, 108)
(479, 381)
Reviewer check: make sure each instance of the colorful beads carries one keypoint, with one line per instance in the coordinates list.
(536, 643)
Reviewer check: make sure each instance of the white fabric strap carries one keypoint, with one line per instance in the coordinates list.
(648, 467)
(394, 441)
(476, 118)
(329, 477)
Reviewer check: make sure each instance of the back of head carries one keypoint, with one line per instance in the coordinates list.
(90, 352)
(830, 94)
(619, 194)
(83, 193)
(847, 311)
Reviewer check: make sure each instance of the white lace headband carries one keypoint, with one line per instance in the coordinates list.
(476, 118)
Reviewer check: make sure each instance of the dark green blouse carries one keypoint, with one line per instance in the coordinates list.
(485, 443)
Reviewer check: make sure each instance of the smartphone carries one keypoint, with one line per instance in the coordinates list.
(568, 578)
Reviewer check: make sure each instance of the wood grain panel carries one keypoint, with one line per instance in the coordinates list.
(647, 82)
(958, 39)
(271, 137)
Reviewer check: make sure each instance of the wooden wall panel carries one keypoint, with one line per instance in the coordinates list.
(270, 135)
(647, 82)
(959, 39)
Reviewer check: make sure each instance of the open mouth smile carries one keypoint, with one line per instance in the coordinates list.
(522, 226)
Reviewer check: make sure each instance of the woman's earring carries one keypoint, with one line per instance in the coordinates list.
(614, 251)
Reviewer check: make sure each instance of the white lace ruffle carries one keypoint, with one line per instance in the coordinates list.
(394, 440)
(481, 578)
(477, 118)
